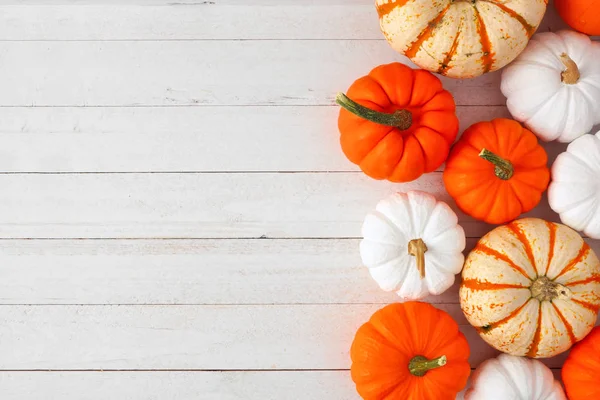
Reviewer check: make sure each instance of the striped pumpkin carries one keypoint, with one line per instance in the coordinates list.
(531, 288)
(460, 38)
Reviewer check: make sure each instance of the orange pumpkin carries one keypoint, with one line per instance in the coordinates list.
(410, 351)
(397, 123)
(497, 171)
(581, 15)
(581, 370)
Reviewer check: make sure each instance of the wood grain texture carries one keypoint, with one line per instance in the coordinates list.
(200, 73)
(203, 21)
(199, 20)
(199, 385)
(244, 205)
(195, 3)
(193, 337)
(185, 272)
(200, 272)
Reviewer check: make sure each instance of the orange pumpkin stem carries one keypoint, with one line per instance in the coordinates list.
(571, 75)
(418, 248)
(544, 289)
(503, 168)
(420, 365)
(401, 119)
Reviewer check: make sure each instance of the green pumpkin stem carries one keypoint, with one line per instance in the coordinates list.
(503, 168)
(401, 119)
(420, 365)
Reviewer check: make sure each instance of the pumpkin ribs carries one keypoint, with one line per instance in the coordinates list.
(530, 29)
(592, 307)
(487, 56)
(426, 33)
(385, 9)
(552, 231)
(518, 232)
(537, 336)
(566, 324)
(583, 253)
(451, 53)
(474, 284)
(504, 320)
(481, 248)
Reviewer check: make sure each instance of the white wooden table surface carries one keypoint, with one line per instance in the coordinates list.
(178, 221)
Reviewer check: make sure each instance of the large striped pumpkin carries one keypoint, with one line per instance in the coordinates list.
(531, 288)
(460, 38)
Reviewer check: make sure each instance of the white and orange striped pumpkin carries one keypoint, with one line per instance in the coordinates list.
(531, 288)
(460, 38)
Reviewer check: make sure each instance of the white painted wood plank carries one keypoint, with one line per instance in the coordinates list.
(192, 272)
(185, 272)
(173, 139)
(221, 20)
(195, 139)
(247, 385)
(203, 21)
(176, 73)
(181, 3)
(199, 139)
(245, 205)
(193, 337)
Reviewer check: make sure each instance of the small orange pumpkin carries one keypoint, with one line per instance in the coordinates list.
(581, 370)
(397, 123)
(497, 171)
(581, 15)
(410, 351)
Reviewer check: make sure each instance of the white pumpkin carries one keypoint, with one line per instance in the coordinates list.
(574, 192)
(413, 245)
(514, 378)
(531, 288)
(460, 38)
(553, 87)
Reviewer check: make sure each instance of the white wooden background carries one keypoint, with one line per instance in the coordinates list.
(177, 219)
